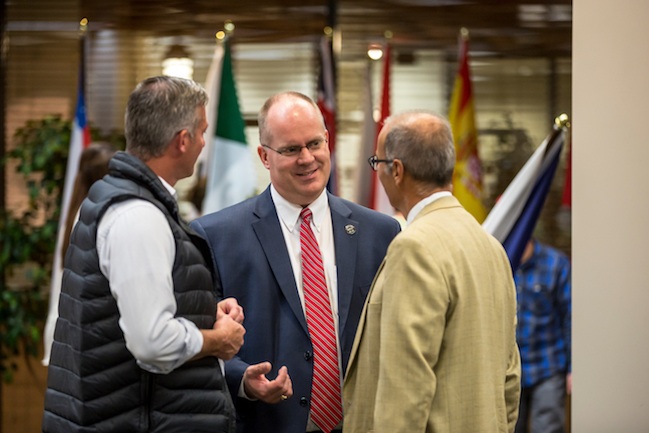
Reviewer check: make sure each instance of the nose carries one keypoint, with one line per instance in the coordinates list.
(305, 156)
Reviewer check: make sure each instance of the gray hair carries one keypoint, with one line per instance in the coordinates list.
(423, 142)
(157, 110)
(265, 136)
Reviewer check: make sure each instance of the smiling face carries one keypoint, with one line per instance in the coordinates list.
(300, 179)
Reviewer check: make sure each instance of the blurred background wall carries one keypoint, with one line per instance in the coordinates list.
(610, 213)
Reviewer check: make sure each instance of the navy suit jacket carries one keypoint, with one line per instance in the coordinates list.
(252, 265)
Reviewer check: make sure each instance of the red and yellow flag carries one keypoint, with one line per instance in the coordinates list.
(467, 178)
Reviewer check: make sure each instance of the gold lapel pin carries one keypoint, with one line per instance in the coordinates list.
(350, 229)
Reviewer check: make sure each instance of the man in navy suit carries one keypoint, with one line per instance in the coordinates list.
(257, 251)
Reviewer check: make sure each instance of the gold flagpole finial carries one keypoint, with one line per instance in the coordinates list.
(562, 121)
(464, 32)
(83, 26)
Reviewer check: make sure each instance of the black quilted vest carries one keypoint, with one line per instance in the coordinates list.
(94, 383)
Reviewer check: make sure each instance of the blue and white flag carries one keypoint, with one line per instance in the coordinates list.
(514, 216)
(79, 140)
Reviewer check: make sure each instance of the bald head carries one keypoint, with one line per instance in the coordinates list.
(282, 102)
(423, 142)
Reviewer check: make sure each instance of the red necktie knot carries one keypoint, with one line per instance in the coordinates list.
(306, 215)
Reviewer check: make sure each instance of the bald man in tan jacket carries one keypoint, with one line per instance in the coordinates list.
(435, 349)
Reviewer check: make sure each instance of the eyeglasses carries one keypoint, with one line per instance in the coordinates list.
(290, 151)
(374, 161)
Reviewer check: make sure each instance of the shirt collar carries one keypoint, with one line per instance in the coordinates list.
(425, 202)
(289, 213)
(169, 188)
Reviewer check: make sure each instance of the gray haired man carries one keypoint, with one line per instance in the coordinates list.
(139, 336)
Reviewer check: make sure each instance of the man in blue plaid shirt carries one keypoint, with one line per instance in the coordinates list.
(543, 336)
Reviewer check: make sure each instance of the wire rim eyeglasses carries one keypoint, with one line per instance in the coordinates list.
(291, 151)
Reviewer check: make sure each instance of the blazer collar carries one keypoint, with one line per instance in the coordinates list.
(447, 202)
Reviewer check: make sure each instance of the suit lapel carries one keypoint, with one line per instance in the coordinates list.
(272, 241)
(346, 247)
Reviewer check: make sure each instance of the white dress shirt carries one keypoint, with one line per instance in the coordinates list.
(290, 222)
(289, 218)
(136, 252)
(425, 202)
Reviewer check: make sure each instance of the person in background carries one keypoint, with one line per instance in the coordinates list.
(93, 165)
(300, 262)
(140, 329)
(544, 337)
(435, 349)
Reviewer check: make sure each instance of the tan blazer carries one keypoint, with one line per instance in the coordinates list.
(435, 349)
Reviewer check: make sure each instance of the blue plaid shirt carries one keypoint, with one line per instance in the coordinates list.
(544, 314)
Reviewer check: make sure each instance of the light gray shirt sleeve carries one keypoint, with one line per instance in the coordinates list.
(136, 252)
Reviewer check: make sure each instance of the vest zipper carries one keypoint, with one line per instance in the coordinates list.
(148, 391)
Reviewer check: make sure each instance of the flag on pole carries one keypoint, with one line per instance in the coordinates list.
(227, 163)
(513, 218)
(327, 104)
(467, 178)
(364, 173)
(79, 140)
(379, 199)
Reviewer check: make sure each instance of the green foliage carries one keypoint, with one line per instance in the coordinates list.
(27, 242)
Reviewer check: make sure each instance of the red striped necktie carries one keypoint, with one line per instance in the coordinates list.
(326, 402)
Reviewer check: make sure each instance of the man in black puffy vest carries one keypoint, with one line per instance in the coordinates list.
(140, 333)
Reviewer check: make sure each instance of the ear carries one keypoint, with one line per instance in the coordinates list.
(183, 140)
(398, 171)
(263, 155)
(178, 145)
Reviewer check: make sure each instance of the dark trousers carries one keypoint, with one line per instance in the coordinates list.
(543, 406)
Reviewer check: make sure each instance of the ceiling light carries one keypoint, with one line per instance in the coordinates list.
(375, 52)
(177, 63)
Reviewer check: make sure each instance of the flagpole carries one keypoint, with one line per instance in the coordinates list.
(561, 123)
(3, 66)
(379, 199)
(79, 139)
(83, 29)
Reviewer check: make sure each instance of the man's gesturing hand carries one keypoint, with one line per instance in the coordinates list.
(257, 385)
